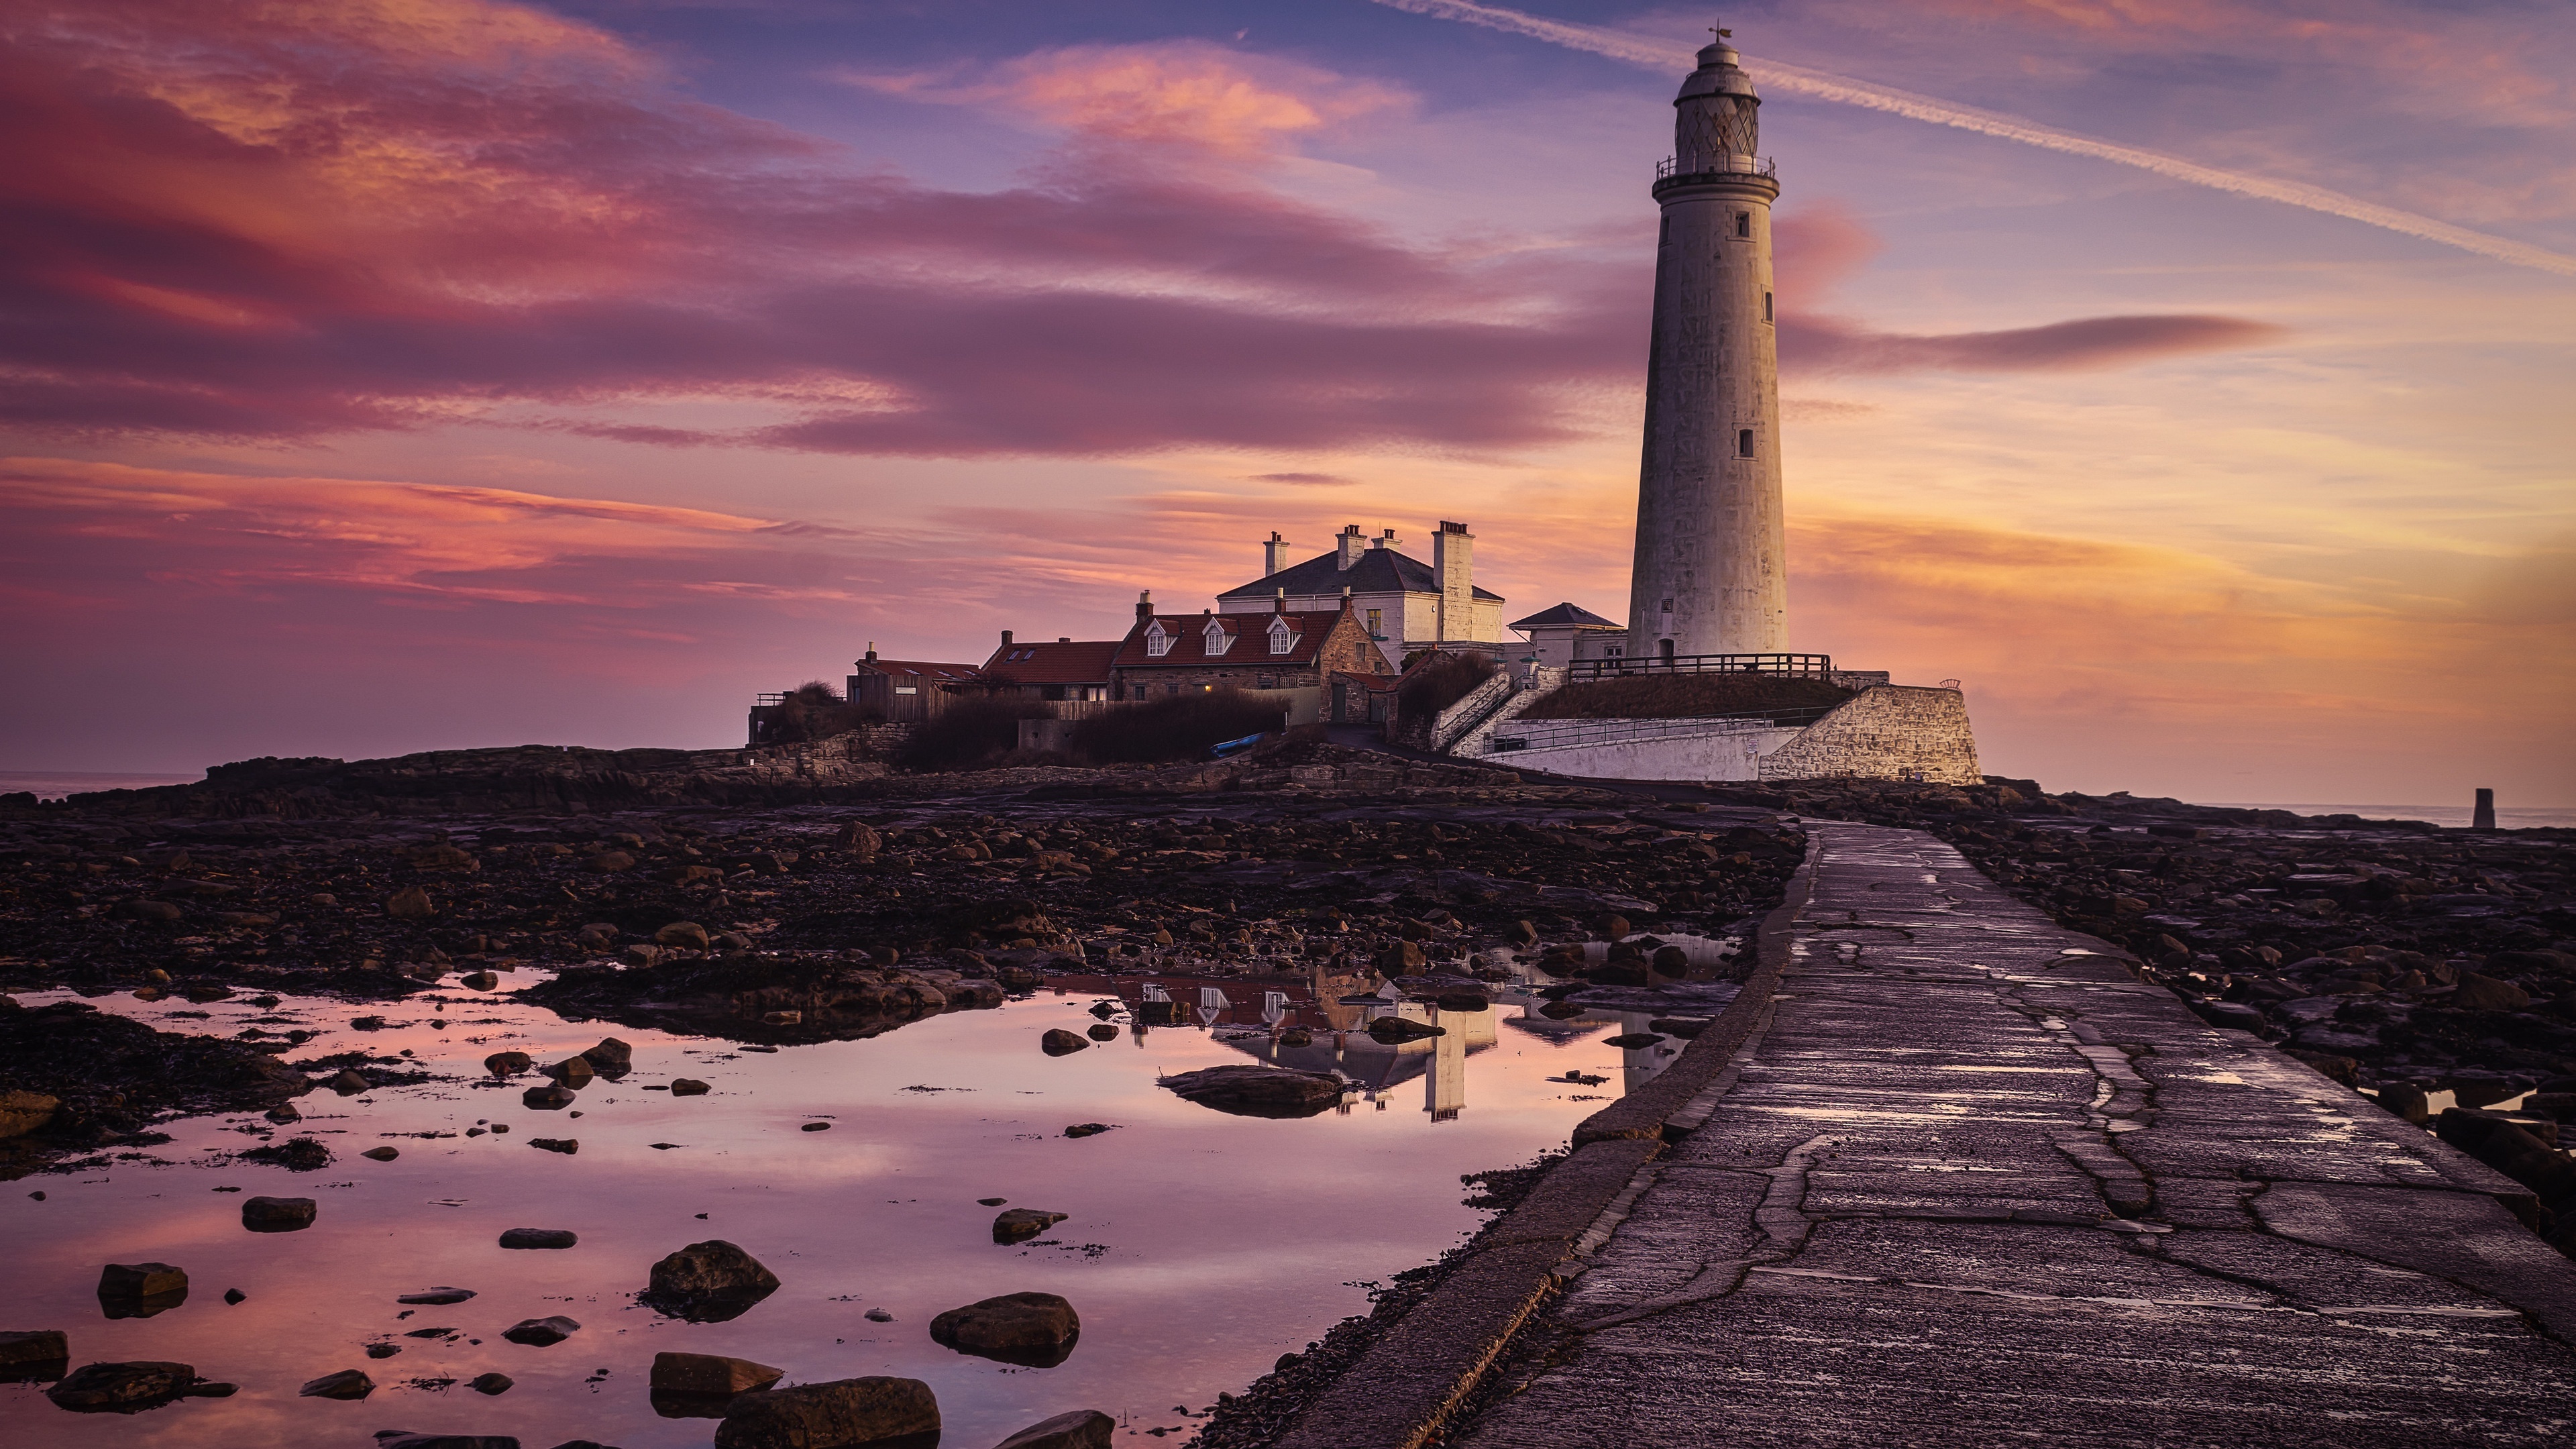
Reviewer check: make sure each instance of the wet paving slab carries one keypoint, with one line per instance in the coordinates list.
(1974, 1182)
(1196, 1246)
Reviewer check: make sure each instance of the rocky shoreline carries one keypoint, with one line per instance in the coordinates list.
(775, 925)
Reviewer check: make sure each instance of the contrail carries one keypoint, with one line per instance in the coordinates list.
(1798, 80)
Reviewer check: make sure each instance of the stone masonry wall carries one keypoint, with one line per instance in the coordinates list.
(1885, 733)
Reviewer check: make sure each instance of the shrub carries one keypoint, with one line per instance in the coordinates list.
(1439, 682)
(969, 734)
(1175, 727)
(813, 711)
(1686, 696)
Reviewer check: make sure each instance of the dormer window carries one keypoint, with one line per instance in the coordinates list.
(1282, 638)
(1217, 638)
(1157, 643)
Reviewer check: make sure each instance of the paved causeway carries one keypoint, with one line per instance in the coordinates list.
(1973, 1185)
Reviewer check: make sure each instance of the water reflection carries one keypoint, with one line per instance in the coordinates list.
(873, 1227)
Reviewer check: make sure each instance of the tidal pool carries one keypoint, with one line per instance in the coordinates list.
(1198, 1246)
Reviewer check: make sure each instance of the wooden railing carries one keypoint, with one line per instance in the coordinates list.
(1803, 665)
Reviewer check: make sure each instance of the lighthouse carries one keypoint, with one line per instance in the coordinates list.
(1711, 567)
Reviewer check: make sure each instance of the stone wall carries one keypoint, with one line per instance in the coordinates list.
(1718, 754)
(1891, 732)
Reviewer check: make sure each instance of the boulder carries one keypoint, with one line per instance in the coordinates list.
(162, 911)
(1061, 1043)
(348, 1083)
(1245, 1090)
(1400, 958)
(565, 1145)
(688, 1087)
(1018, 1225)
(488, 1384)
(707, 1373)
(122, 1388)
(508, 1064)
(140, 1280)
(830, 1415)
(1086, 1129)
(1103, 1032)
(382, 1154)
(1034, 1330)
(548, 1098)
(1081, 1429)
(708, 1282)
(411, 903)
(2479, 992)
(478, 981)
(609, 1057)
(346, 1384)
(25, 1112)
(2406, 1100)
(277, 1214)
(541, 1332)
(608, 862)
(682, 935)
(539, 1238)
(574, 1072)
(1632, 1040)
(34, 1357)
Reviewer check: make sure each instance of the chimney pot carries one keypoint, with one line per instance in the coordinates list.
(1006, 638)
(1144, 606)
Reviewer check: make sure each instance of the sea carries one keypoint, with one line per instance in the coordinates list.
(2508, 817)
(55, 784)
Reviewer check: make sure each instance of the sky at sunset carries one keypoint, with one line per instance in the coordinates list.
(2191, 379)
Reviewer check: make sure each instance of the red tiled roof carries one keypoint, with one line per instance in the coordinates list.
(1084, 661)
(901, 667)
(1249, 633)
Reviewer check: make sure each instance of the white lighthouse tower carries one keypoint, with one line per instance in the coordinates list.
(1711, 568)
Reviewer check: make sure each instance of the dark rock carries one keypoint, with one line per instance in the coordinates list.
(548, 1098)
(706, 1373)
(1683, 1027)
(688, 1087)
(1392, 1029)
(1671, 961)
(565, 1145)
(383, 1350)
(1632, 1041)
(277, 1214)
(491, 1383)
(1018, 1225)
(1400, 958)
(348, 1083)
(682, 935)
(1081, 1429)
(1086, 1129)
(1251, 1091)
(122, 1388)
(539, 1238)
(478, 981)
(1296, 1036)
(573, 1072)
(2406, 1100)
(508, 1064)
(1034, 1330)
(1102, 1032)
(541, 1332)
(611, 1056)
(140, 1280)
(2229, 1015)
(1461, 1001)
(1614, 928)
(831, 1415)
(346, 1384)
(235, 1296)
(2478, 992)
(1061, 1043)
(708, 1282)
(411, 903)
(382, 1154)
(39, 1356)
(25, 1112)
(437, 1296)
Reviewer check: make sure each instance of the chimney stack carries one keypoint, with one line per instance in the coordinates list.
(1351, 545)
(1279, 602)
(1386, 539)
(1274, 554)
(872, 653)
(1453, 564)
(1144, 607)
(1006, 638)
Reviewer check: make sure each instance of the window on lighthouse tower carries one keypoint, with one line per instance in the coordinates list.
(1744, 442)
(1744, 224)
